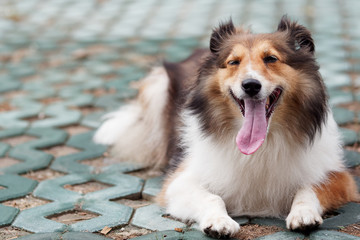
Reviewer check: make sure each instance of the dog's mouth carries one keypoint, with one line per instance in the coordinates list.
(256, 115)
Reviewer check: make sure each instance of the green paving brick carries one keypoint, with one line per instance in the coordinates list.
(3, 149)
(174, 235)
(25, 108)
(15, 186)
(7, 214)
(80, 100)
(71, 163)
(109, 102)
(349, 137)
(269, 222)
(82, 235)
(28, 153)
(283, 236)
(152, 187)
(151, 217)
(352, 158)
(343, 116)
(33, 219)
(333, 235)
(42, 236)
(92, 120)
(112, 214)
(22, 71)
(348, 214)
(59, 115)
(9, 84)
(339, 97)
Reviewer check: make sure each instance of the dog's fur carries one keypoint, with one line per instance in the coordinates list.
(187, 117)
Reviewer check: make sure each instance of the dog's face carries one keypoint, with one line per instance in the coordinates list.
(263, 77)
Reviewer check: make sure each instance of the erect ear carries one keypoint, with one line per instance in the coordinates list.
(300, 37)
(220, 34)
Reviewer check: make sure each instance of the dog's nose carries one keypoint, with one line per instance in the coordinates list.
(251, 86)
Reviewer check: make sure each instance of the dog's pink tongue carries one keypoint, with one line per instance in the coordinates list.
(253, 131)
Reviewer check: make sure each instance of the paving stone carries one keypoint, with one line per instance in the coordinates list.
(33, 159)
(269, 222)
(152, 187)
(333, 235)
(3, 149)
(111, 214)
(109, 102)
(349, 137)
(60, 116)
(7, 214)
(348, 214)
(336, 80)
(42, 236)
(342, 115)
(352, 158)
(150, 217)
(25, 108)
(16, 186)
(283, 236)
(174, 235)
(81, 235)
(71, 163)
(339, 97)
(9, 85)
(93, 120)
(33, 219)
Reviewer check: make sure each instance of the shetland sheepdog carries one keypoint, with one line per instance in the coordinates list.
(243, 128)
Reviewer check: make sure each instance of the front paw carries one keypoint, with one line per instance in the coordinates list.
(219, 227)
(303, 218)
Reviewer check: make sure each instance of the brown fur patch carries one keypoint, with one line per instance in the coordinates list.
(340, 188)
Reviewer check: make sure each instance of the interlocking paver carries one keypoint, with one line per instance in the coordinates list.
(172, 235)
(283, 236)
(15, 186)
(28, 153)
(324, 235)
(39, 43)
(151, 217)
(7, 214)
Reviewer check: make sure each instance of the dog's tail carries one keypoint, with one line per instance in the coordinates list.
(137, 130)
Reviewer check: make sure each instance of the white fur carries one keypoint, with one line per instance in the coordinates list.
(136, 130)
(262, 184)
(305, 210)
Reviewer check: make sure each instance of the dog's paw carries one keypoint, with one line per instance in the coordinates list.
(303, 218)
(219, 227)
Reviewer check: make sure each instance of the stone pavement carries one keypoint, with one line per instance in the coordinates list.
(64, 63)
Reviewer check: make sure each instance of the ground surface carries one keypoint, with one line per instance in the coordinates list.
(65, 63)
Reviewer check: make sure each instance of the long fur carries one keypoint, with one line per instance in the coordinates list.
(185, 118)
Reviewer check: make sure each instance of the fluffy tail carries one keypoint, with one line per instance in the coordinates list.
(136, 131)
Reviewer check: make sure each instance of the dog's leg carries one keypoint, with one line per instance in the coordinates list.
(311, 202)
(187, 200)
(305, 211)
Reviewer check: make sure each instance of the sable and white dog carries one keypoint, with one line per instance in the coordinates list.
(244, 129)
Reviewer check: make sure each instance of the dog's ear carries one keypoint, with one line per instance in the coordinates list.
(220, 34)
(299, 36)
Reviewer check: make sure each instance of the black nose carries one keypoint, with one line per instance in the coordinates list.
(251, 86)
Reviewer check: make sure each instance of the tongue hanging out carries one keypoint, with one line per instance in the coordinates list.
(254, 128)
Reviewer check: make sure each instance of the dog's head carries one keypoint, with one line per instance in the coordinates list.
(262, 78)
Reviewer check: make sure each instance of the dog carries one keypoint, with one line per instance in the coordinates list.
(242, 129)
